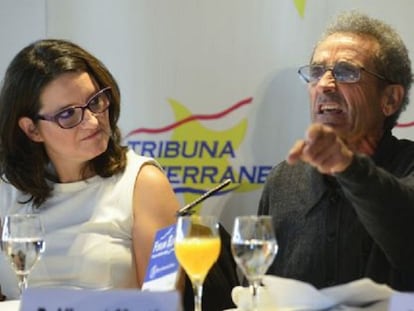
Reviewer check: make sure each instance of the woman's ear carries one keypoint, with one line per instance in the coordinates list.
(29, 128)
(392, 100)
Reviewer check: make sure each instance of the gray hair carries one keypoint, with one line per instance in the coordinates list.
(392, 60)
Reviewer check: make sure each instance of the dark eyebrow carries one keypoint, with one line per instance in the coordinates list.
(69, 106)
(92, 95)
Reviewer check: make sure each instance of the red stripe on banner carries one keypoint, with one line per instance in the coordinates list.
(409, 124)
(191, 118)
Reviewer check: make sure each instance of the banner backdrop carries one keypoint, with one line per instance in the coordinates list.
(209, 87)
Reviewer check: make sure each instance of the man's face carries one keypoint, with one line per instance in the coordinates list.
(353, 110)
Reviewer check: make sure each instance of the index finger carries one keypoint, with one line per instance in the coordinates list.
(295, 152)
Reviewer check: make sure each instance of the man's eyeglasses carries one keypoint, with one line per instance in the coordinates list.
(343, 72)
(72, 116)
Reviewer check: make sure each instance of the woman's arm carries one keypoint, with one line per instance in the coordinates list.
(155, 206)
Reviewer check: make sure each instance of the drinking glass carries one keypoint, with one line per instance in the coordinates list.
(254, 247)
(22, 241)
(197, 247)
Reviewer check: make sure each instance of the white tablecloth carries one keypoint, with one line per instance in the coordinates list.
(288, 294)
(379, 306)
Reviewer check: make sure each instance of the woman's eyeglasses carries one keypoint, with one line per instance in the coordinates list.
(343, 72)
(72, 116)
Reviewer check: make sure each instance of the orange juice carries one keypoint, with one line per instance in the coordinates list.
(197, 255)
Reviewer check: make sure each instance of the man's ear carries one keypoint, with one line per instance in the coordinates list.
(392, 100)
(29, 128)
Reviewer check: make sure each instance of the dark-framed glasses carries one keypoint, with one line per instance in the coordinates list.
(343, 72)
(72, 116)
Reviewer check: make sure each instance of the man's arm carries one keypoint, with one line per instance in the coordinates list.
(385, 205)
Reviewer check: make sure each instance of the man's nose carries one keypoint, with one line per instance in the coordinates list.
(327, 80)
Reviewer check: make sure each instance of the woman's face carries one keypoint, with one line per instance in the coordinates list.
(75, 146)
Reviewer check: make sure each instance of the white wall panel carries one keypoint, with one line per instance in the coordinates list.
(207, 55)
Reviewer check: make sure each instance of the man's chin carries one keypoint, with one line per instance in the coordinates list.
(340, 130)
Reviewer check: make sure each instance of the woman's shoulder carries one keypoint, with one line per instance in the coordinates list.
(133, 156)
(10, 198)
(136, 160)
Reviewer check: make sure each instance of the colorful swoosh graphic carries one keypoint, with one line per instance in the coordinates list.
(300, 7)
(191, 118)
(408, 124)
(188, 130)
(202, 191)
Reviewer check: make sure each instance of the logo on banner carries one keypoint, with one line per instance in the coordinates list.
(196, 156)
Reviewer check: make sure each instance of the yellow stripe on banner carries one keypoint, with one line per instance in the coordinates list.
(300, 6)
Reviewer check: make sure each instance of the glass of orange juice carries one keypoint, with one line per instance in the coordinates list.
(197, 247)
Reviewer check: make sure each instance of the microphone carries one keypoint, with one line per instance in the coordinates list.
(187, 209)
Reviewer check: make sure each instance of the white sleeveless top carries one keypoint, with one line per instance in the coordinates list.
(88, 227)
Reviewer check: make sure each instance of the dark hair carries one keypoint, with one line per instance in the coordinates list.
(22, 161)
(392, 60)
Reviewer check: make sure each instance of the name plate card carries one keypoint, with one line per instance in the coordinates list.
(54, 299)
(401, 302)
(162, 271)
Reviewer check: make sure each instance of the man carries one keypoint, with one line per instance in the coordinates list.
(343, 202)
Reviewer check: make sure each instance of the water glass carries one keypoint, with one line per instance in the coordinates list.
(254, 248)
(22, 240)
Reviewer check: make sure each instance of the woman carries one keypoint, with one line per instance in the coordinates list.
(61, 157)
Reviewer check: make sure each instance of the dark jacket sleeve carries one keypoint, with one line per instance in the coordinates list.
(384, 203)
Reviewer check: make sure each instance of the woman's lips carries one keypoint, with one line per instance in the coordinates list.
(93, 135)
